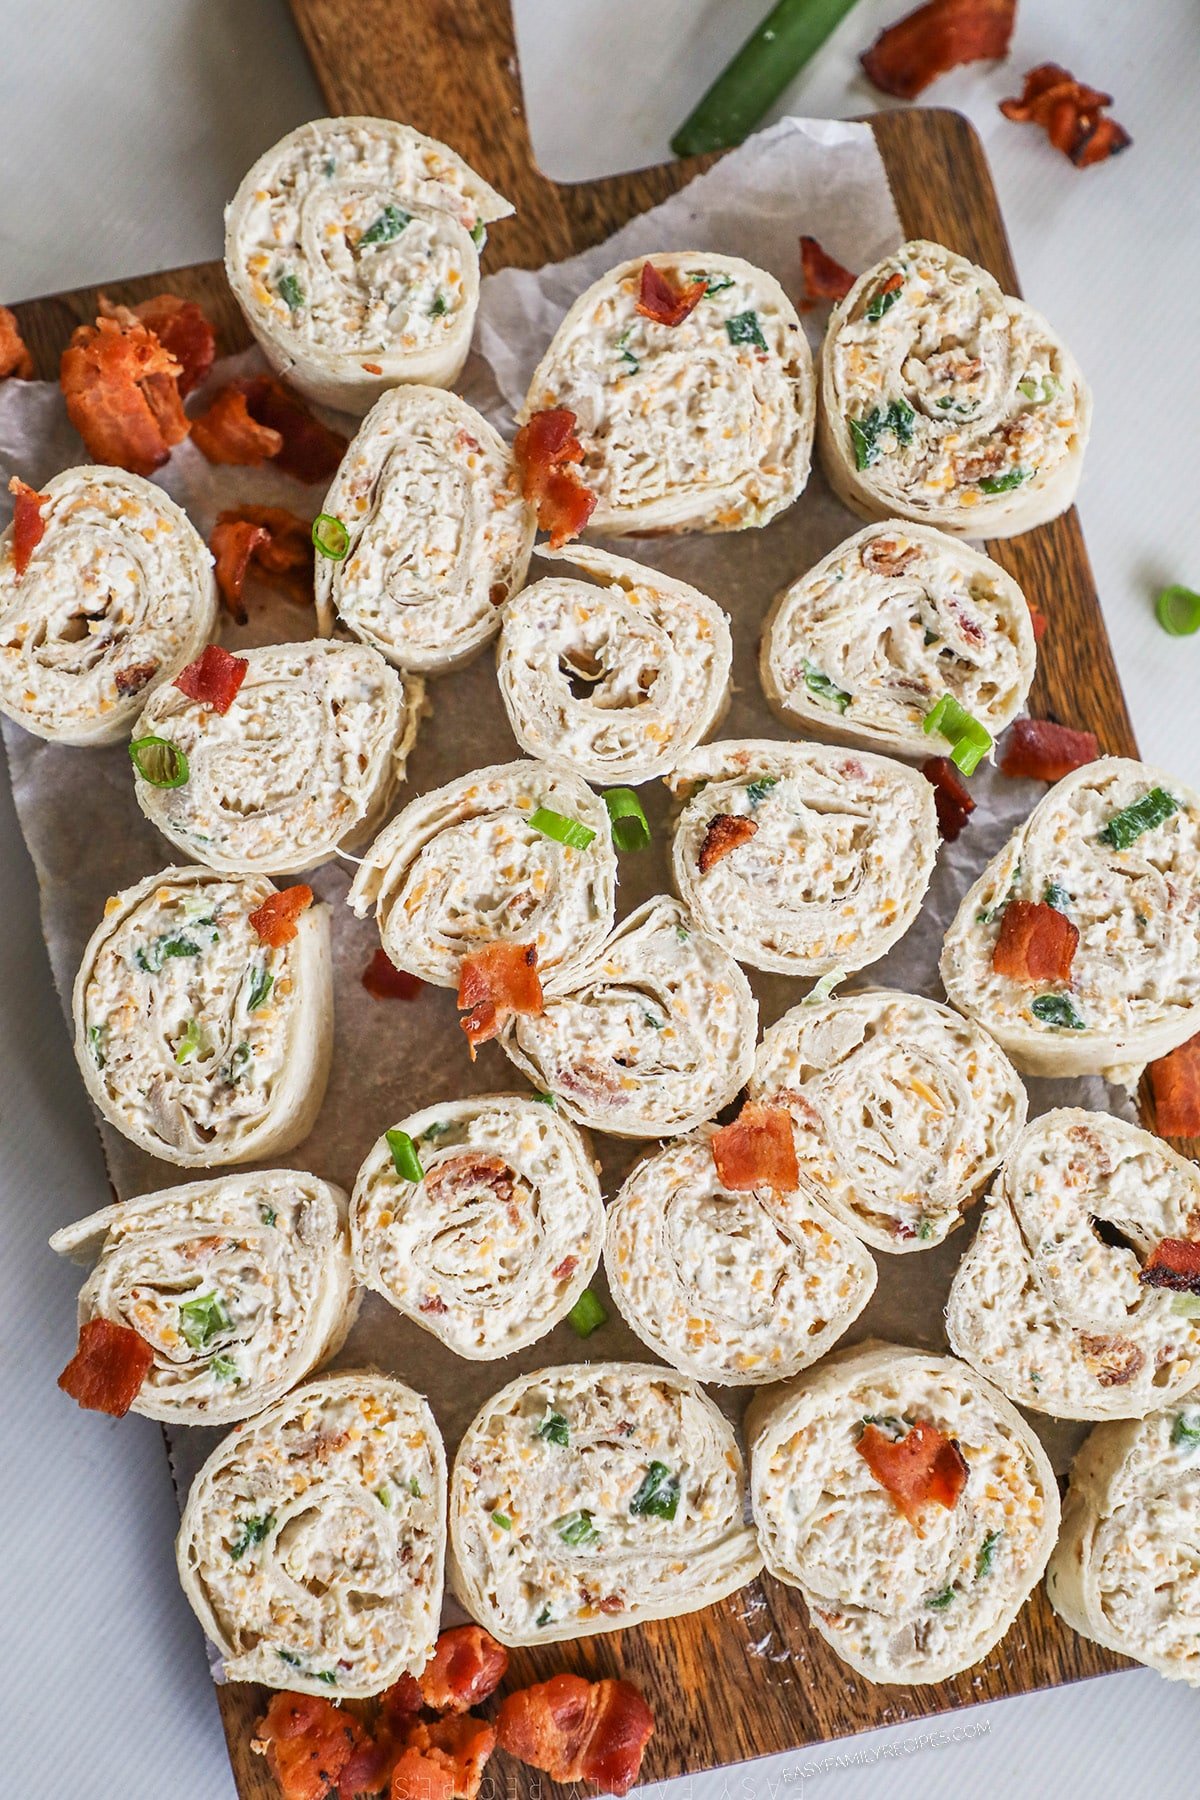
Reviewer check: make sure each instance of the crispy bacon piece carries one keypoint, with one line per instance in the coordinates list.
(951, 796)
(384, 981)
(467, 1665)
(1070, 114)
(1114, 1361)
(226, 433)
(493, 984)
(310, 1746)
(180, 327)
(1036, 943)
(1044, 751)
(29, 527)
(919, 1469)
(936, 38)
(661, 300)
(1173, 1263)
(824, 278)
(277, 541)
(107, 1370)
(274, 921)
(134, 678)
(757, 1150)
(214, 678)
(577, 1730)
(1175, 1084)
(311, 451)
(121, 387)
(443, 1757)
(723, 833)
(14, 352)
(233, 544)
(544, 450)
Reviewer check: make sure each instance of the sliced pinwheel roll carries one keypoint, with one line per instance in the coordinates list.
(305, 761)
(617, 676)
(517, 853)
(241, 1285)
(901, 1110)
(1124, 1569)
(424, 533)
(197, 1039)
(946, 401)
(481, 1220)
(312, 1541)
(864, 646)
(737, 1288)
(594, 1496)
(1078, 948)
(693, 394)
(800, 858)
(909, 1503)
(1058, 1299)
(115, 596)
(352, 247)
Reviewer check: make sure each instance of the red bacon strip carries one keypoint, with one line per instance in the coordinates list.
(757, 1150)
(544, 450)
(921, 1469)
(1070, 113)
(936, 38)
(1044, 751)
(384, 981)
(723, 833)
(226, 433)
(1175, 1084)
(951, 796)
(121, 387)
(443, 1756)
(1173, 1263)
(467, 1665)
(661, 300)
(107, 1370)
(310, 1746)
(214, 678)
(495, 983)
(824, 278)
(577, 1730)
(29, 527)
(1036, 943)
(275, 921)
(278, 542)
(180, 326)
(14, 352)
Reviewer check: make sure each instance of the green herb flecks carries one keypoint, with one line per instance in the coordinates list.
(253, 1531)
(924, 1231)
(883, 300)
(386, 228)
(200, 934)
(479, 234)
(290, 291)
(1003, 484)
(439, 306)
(866, 432)
(95, 1037)
(894, 1427)
(658, 1495)
(384, 1497)
(626, 354)
(1185, 1432)
(1055, 895)
(744, 328)
(939, 1602)
(267, 1214)
(576, 1529)
(201, 1317)
(192, 1043)
(501, 1521)
(554, 1430)
(546, 1100)
(225, 1369)
(987, 1554)
(260, 987)
(1125, 827)
(237, 1065)
(757, 790)
(543, 1617)
(328, 1676)
(414, 1488)
(818, 683)
(289, 1657)
(1057, 1010)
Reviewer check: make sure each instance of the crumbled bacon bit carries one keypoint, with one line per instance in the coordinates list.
(433, 1303)
(757, 1150)
(107, 1370)
(495, 983)
(1036, 943)
(457, 1747)
(275, 921)
(214, 678)
(884, 556)
(29, 527)
(544, 449)
(180, 327)
(226, 433)
(1044, 751)
(919, 1469)
(824, 278)
(661, 300)
(233, 544)
(121, 387)
(951, 796)
(1070, 114)
(1173, 1263)
(309, 1745)
(384, 981)
(1175, 1084)
(936, 38)
(1113, 1361)
(133, 679)
(466, 1666)
(278, 542)
(565, 1269)
(311, 451)
(723, 833)
(577, 1730)
(14, 352)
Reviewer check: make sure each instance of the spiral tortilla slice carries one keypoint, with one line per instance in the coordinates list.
(352, 247)
(901, 1111)
(616, 676)
(117, 597)
(863, 646)
(1047, 1301)
(946, 401)
(901, 1599)
(653, 1035)
(800, 858)
(465, 866)
(312, 1541)
(1125, 1569)
(1115, 847)
(499, 1236)
(593, 1496)
(438, 534)
(240, 1284)
(305, 762)
(199, 1042)
(706, 425)
(737, 1288)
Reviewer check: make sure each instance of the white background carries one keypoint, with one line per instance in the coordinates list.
(123, 129)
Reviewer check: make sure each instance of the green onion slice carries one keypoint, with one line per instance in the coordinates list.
(1186, 1306)
(554, 1430)
(587, 1314)
(987, 1554)
(191, 1043)
(1125, 827)
(159, 761)
(970, 741)
(290, 291)
(939, 1602)
(405, 1160)
(1057, 1010)
(570, 832)
(630, 827)
(387, 227)
(201, 1317)
(821, 990)
(576, 1528)
(818, 683)
(744, 328)
(1003, 484)
(1178, 610)
(1186, 1431)
(658, 1494)
(330, 537)
(546, 1099)
(502, 1520)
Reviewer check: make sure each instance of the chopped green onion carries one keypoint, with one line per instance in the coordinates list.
(554, 825)
(384, 1497)
(289, 1656)
(939, 1602)
(587, 1314)
(328, 1676)
(237, 1063)
(970, 741)
(757, 790)
(1178, 610)
(658, 1494)
(817, 683)
(924, 1231)
(151, 957)
(882, 302)
(502, 1520)
(260, 987)
(159, 761)
(439, 306)
(267, 1214)
(1125, 827)
(405, 1160)
(1186, 1432)
(630, 827)
(290, 291)
(414, 1487)
(1057, 1010)
(1056, 896)
(191, 1043)
(865, 432)
(546, 1100)
(987, 1554)
(543, 1617)
(201, 1317)
(95, 1038)
(1030, 388)
(479, 234)
(1003, 484)
(387, 227)
(253, 1532)
(888, 1422)
(821, 990)
(554, 1430)
(681, 931)
(577, 1528)
(330, 537)
(225, 1369)
(744, 328)
(1186, 1306)
(717, 285)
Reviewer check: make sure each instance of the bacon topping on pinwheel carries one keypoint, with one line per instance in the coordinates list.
(577, 1730)
(1036, 943)
(661, 300)
(28, 524)
(107, 1370)
(14, 352)
(214, 678)
(757, 1150)
(1173, 1263)
(544, 450)
(936, 38)
(311, 1745)
(1070, 113)
(226, 433)
(274, 922)
(723, 833)
(1044, 751)
(466, 1666)
(824, 277)
(1175, 1084)
(951, 796)
(384, 981)
(919, 1469)
(180, 327)
(495, 983)
(278, 542)
(121, 387)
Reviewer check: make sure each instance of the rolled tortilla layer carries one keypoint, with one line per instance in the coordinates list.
(196, 1040)
(702, 426)
(439, 535)
(240, 1284)
(653, 1035)
(1124, 1570)
(118, 595)
(617, 676)
(898, 1601)
(863, 646)
(831, 852)
(312, 1541)
(946, 401)
(352, 247)
(464, 866)
(500, 1236)
(737, 1288)
(1047, 1301)
(305, 762)
(1134, 987)
(901, 1109)
(594, 1496)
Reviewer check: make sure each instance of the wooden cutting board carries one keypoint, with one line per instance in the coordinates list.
(747, 1677)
